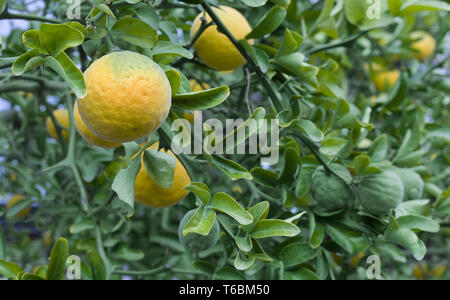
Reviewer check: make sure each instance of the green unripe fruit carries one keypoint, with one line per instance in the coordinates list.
(329, 191)
(195, 241)
(412, 182)
(380, 192)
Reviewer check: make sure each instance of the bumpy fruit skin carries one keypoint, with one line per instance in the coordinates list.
(385, 80)
(87, 134)
(15, 199)
(331, 193)
(213, 47)
(62, 117)
(412, 182)
(380, 192)
(197, 242)
(128, 97)
(424, 46)
(148, 193)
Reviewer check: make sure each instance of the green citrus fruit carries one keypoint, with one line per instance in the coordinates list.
(380, 192)
(194, 241)
(412, 182)
(329, 191)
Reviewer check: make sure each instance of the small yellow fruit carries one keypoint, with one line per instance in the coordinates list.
(47, 238)
(213, 47)
(128, 97)
(198, 87)
(15, 199)
(148, 193)
(356, 259)
(424, 44)
(62, 117)
(386, 80)
(88, 135)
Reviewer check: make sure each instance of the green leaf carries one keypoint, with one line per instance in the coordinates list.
(308, 128)
(270, 228)
(55, 38)
(378, 149)
(291, 161)
(97, 266)
(82, 226)
(164, 47)
(30, 39)
(2, 244)
(27, 62)
(355, 11)
(294, 63)
(408, 239)
(204, 267)
(136, 32)
(9, 269)
(269, 23)
(398, 94)
(201, 222)
(148, 15)
(244, 243)
(201, 190)
(254, 3)
(58, 258)
(3, 4)
(316, 237)
(291, 42)
(160, 166)
(66, 68)
(105, 9)
(123, 183)
(413, 6)
(296, 253)
(175, 80)
(228, 273)
(300, 274)
(394, 7)
(124, 252)
(234, 170)
(418, 223)
(265, 177)
(29, 276)
(259, 212)
(244, 261)
(243, 131)
(201, 100)
(361, 163)
(226, 204)
(331, 146)
(350, 240)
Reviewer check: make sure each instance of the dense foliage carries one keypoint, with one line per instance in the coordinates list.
(364, 143)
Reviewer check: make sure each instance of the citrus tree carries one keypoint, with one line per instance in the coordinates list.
(95, 188)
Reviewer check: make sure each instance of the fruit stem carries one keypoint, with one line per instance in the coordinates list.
(274, 101)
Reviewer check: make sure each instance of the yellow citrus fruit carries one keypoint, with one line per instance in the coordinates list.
(197, 86)
(356, 259)
(87, 134)
(386, 79)
(424, 44)
(47, 238)
(15, 199)
(62, 117)
(148, 193)
(128, 97)
(213, 47)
